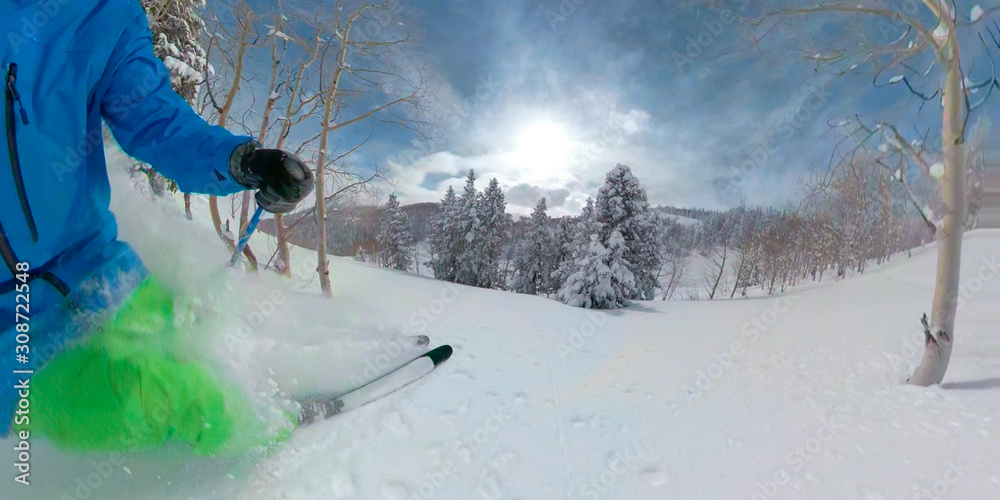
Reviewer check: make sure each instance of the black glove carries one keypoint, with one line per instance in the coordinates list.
(282, 180)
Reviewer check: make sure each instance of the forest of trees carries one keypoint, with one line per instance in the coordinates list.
(310, 82)
(864, 209)
(469, 234)
(620, 249)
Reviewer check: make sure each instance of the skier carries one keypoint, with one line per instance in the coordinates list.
(85, 332)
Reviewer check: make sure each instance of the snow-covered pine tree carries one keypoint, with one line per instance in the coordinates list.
(587, 277)
(562, 250)
(468, 221)
(494, 231)
(444, 238)
(579, 245)
(602, 279)
(534, 256)
(622, 206)
(177, 26)
(622, 282)
(395, 241)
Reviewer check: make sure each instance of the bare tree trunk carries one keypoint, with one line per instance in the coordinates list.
(722, 269)
(323, 264)
(283, 253)
(265, 122)
(330, 102)
(213, 201)
(739, 274)
(938, 340)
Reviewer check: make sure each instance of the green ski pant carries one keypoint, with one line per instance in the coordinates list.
(124, 389)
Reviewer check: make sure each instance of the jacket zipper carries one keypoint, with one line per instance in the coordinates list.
(6, 249)
(13, 97)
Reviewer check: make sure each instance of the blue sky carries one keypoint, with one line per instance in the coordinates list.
(547, 96)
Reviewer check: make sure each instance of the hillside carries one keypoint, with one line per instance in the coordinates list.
(350, 227)
(797, 396)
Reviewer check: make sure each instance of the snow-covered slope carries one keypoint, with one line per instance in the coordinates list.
(684, 221)
(799, 396)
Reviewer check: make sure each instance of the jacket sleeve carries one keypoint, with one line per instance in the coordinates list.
(154, 124)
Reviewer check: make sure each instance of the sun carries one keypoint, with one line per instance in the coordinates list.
(545, 145)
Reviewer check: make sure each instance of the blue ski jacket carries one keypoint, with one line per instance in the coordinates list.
(66, 65)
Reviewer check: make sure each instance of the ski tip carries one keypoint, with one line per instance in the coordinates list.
(440, 354)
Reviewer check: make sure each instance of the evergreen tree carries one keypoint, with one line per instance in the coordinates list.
(622, 281)
(602, 279)
(394, 239)
(467, 266)
(562, 251)
(176, 27)
(444, 238)
(534, 256)
(469, 234)
(582, 229)
(622, 206)
(494, 231)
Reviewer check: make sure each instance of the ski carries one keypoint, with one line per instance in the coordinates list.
(320, 407)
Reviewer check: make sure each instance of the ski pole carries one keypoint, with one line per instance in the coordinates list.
(251, 227)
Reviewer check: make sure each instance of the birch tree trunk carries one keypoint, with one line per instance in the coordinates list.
(938, 340)
(213, 201)
(294, 115)
(323, 264)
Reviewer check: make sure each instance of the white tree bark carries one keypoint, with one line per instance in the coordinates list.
(941, 334)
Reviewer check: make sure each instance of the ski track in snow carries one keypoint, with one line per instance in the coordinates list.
(653, 402)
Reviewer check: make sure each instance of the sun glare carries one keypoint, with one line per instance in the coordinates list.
(544, 145)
